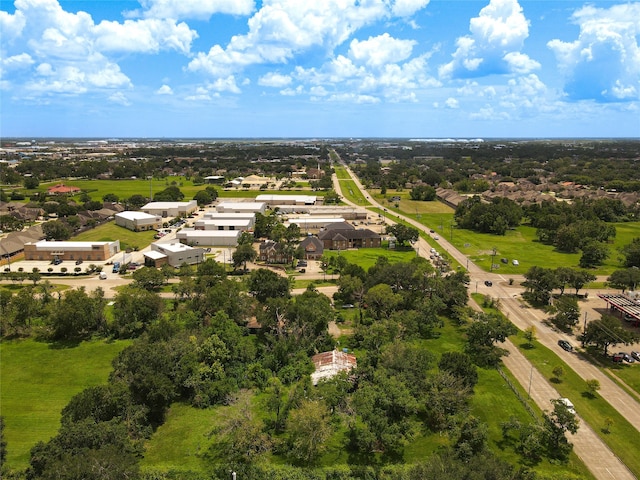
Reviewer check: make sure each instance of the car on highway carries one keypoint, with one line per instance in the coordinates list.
(569, 405)
(488, 283)
(565, 345)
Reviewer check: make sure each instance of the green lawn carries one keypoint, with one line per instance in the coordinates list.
(125, 188)
(349, 189)
(367, 257)
(38, 380)
(110, 231)
(181, 440)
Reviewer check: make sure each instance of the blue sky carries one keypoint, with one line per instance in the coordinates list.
(319, 68)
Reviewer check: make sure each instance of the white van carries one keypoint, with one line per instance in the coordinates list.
(569, 405)
(103, 275)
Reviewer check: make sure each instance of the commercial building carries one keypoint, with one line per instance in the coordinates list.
(231, 216)
(307, 223)
(241, 207)
(241, 224)
(208, 238)
(170, 209)
(275, 199)
(174, 254)
(138, 221)
(341, 236)
(90, 251)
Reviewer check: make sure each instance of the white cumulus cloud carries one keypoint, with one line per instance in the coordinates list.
(493, 47)
(70, 53)
(280, 29)
(193, 9)
(275, 80)
(164, 90)
(380, 50)
(603, 63)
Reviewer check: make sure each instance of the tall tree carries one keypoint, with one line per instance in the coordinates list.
(308, 428)
(607, 332)
(483, 334)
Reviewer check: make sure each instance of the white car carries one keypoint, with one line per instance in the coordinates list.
(515, 262)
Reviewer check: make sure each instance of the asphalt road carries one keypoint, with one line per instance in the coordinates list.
(596, 455)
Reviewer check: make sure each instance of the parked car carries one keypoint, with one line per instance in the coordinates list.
(626, 357)
(617, 358)
(488, 283)
(636, 355)
(565, 345)
(79, 261)
(56, 261)
(515, 262)
(116, 267)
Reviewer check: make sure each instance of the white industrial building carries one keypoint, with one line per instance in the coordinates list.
(241, 224)
(209, 238)
(313, 223)
(230, 216)
(241, 207)
(275, 199)
(349, 213)
(174, 254)
(138, 221)
(63, 250)
(170, 209)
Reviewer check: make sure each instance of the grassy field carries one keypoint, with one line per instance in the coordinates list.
(181, 440)
(367, 257)
(38, 380)
(97, 189)
(110, 231)
(478, 246)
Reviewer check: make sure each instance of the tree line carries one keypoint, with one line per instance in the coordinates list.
(196, 349)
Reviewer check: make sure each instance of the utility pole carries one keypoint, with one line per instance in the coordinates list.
(493, 257)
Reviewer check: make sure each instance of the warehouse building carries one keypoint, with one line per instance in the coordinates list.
(138, 221)
(241, 224)
(209, 238)
(241, 207)
(174, 254)
(231, 216)
(273, 200)
(90, 251)
(170, 209)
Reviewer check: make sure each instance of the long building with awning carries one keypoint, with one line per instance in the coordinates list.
(626, 305)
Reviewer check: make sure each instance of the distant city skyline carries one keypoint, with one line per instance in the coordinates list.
(319, 69)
